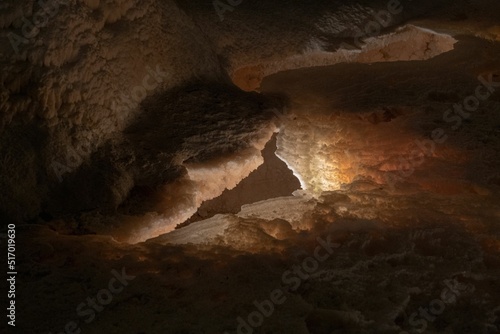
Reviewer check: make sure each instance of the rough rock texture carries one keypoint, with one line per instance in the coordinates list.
(341, 126)
(406, 221)
(72, 85)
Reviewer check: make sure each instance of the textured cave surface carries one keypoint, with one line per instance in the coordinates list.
(262, 133)
(271, 179)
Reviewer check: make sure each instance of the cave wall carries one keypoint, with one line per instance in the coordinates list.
(78, 81)
(75, 85)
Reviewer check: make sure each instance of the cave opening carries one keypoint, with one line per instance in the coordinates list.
(271, 179)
